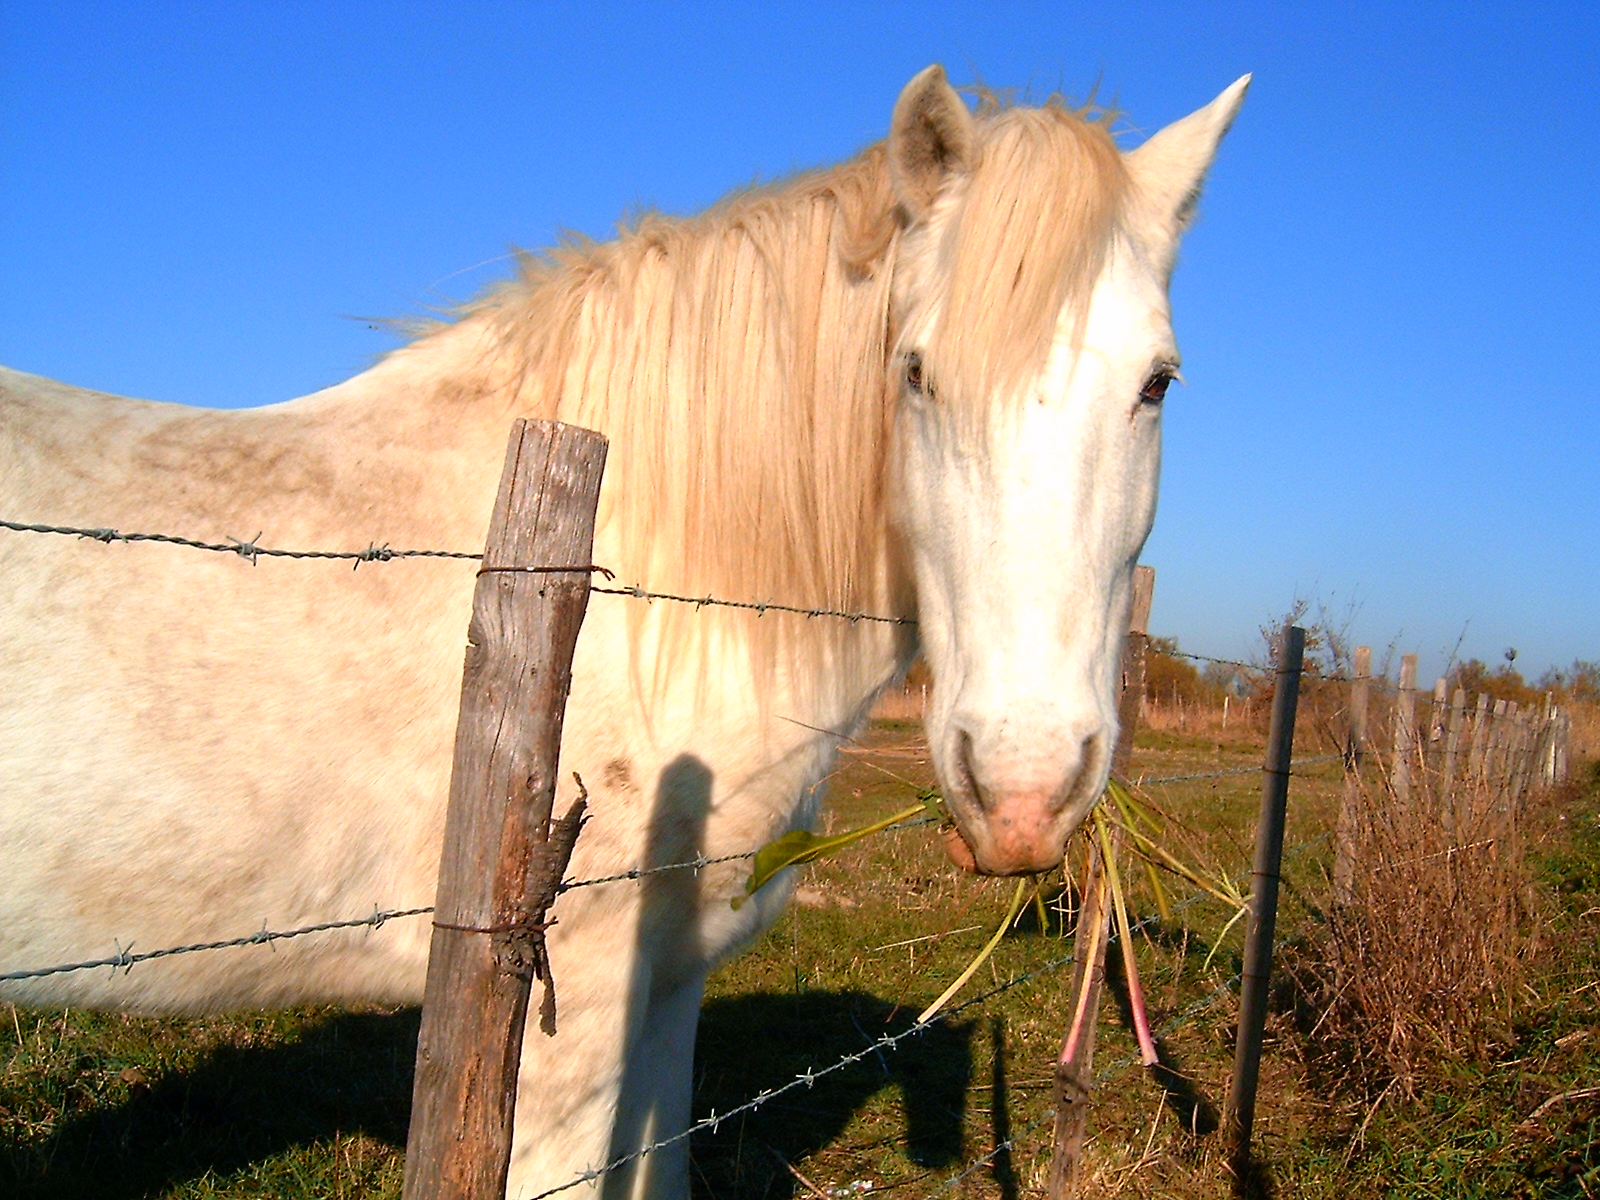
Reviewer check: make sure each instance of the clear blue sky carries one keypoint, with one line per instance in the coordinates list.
(1388, 308)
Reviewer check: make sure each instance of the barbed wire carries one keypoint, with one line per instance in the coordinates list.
(891, 1042)
(249, 551)
(1298, 762)
(1309, 672)
(1010, 1143)
(760, 608)
(1103, 1077)
(125, 959)
(253, 550)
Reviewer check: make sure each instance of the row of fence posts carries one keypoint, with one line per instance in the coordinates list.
(1467, 762)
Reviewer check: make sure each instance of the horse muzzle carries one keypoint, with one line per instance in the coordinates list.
(1013, 816)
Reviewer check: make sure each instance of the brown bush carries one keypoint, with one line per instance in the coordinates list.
(1419, 963)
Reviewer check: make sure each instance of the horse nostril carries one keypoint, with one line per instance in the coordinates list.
(1091, 759)
(969, 779)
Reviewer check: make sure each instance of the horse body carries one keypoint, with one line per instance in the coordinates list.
(854, 391)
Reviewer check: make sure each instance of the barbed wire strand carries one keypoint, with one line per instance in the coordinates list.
(253, 550)
(1309, 672)
(889, 1042)
(249, 551)
(977, 1165)
(125, 959)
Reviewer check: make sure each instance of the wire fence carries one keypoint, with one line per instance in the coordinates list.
(124, 959)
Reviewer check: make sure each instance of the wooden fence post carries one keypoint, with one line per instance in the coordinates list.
(1480, 739)
(503, 856)
(1452, 750)
(1437, 714)
(1355, 749)
(1074, 1080)
(1405, 726)
(1133, 655)
(1239, 1113)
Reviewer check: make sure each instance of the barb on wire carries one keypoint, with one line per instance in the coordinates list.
(125, 959)
(976, 1165)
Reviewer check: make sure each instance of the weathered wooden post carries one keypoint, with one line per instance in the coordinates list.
(1447, 785)
(1405, 725)
(1239, 1113)
(1480, 738)
(1355, 750)
(1133, 668)
(1074, 1079)
(1434, 755)
(503, 855)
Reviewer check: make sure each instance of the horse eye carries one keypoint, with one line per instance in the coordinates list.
(914, 372)
(1155, 388)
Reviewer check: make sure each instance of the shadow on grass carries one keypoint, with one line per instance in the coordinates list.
(345, 1073)
(750, 1043)
(265, 1096)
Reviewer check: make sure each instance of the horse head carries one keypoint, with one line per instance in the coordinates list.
(1032, 349)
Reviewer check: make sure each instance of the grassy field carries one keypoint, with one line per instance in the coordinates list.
(313, 1102)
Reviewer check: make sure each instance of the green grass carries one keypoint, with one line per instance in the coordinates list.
(314, 1102)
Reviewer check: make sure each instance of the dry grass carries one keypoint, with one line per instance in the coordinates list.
(1422, 963)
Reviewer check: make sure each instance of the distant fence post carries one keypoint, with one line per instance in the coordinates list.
(1074, 1079)
(503, 855)
(1239, 1113)
(1405, 729)
(1480, 738)
(1355, 752)
(1438, 713)
(1452, 750)
(1133, 667)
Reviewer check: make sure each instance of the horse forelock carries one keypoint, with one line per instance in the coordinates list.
(1028, 239)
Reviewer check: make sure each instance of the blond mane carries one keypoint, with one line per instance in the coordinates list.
(739, 360)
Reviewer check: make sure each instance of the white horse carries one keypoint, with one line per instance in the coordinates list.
(926, 383)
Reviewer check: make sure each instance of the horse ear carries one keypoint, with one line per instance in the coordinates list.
(1168, 169)
(931, 136)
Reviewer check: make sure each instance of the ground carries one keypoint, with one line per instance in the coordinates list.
(314, 1102)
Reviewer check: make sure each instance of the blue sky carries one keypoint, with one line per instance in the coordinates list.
(1388, 309)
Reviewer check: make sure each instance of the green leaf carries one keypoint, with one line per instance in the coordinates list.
(802, 846)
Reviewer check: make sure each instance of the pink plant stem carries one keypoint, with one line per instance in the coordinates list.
(1069, 1049)
(1141, 1019)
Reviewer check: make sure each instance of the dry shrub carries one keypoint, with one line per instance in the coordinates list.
(1584, 741)
(1418, 965)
